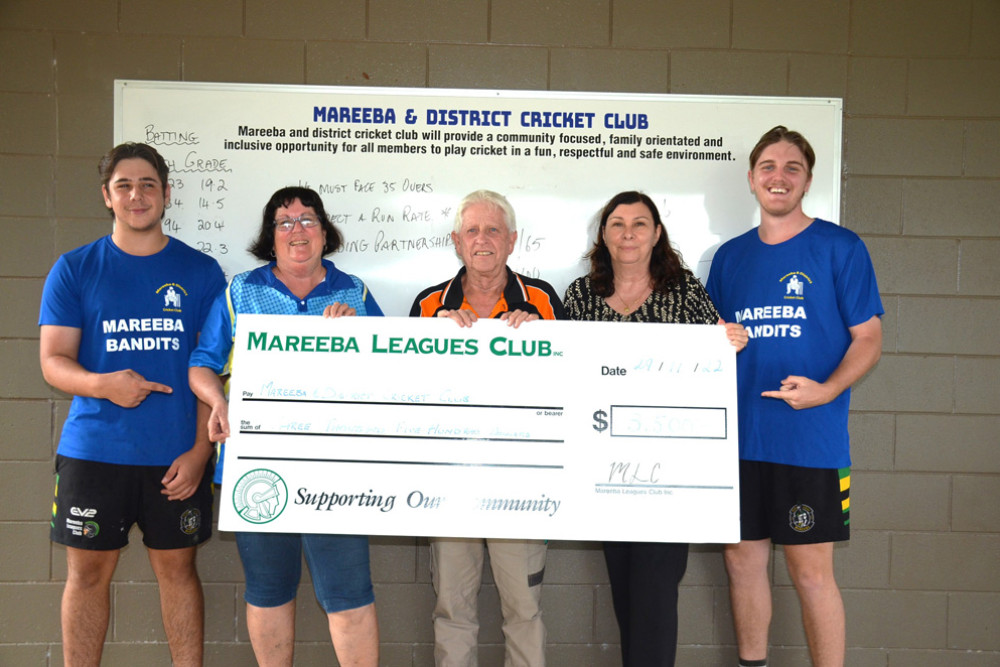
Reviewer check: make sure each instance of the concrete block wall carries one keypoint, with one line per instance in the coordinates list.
(921, 84)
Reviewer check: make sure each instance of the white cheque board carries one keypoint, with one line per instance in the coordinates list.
(554, 430)
(392, 163)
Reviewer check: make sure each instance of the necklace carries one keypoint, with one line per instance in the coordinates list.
(639, 301)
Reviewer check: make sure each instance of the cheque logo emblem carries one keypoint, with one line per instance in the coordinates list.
(260, 496)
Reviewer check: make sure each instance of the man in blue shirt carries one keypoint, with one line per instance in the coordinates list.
(119, 318)
(805, 290)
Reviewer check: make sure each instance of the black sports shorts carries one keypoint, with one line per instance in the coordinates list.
(96, 504)
(794, 505)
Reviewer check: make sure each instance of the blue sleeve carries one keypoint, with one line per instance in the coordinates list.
(61, 304)
(216, 340)
(857, 290)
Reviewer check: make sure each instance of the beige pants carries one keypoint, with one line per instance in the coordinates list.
(457, 572)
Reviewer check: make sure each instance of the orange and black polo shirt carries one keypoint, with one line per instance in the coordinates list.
(521, 293)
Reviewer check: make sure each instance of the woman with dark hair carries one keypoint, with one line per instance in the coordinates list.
(636, 276)
(295, 233)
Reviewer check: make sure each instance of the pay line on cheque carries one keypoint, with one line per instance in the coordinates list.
(405, 436)
(401, 403)
(453, 464)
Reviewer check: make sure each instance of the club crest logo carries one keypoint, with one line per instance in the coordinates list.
(190, 521)
(801, 518)
(260, 496)
(171, 294)
(91, 529)
(795, 285)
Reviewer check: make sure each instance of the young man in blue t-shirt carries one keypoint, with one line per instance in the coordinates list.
(805, 290)
(119, 318)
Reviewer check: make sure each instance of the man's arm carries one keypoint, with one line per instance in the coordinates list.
(184, 475)
(58, 353)
(864, 351)
(207, 386)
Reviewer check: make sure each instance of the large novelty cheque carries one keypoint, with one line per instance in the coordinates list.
(553, 430)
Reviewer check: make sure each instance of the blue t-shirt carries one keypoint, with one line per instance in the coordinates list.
(260, 292)
(797, 300)
(134, 312)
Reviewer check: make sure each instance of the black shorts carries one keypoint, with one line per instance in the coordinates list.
(793, 505)
(96, 504)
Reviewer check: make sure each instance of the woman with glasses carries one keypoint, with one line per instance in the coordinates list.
(295, 234)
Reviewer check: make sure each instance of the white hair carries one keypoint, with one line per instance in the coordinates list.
(492, 199)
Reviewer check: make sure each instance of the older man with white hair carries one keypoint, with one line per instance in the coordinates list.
(485, 234)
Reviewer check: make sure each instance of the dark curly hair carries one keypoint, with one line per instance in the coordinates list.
(665, 264)
(263, 246)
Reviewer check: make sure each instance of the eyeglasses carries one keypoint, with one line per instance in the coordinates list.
(288, 224)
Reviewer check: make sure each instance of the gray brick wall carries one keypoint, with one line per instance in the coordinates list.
(921, 84)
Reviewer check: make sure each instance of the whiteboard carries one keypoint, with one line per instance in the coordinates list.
(392, 164)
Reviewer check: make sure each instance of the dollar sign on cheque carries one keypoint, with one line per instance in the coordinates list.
(600, 421)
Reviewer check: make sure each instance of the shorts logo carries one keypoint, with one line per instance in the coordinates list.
(190, 521)
(91, 529)
(87, 512)
(260, 496)
(801, 518)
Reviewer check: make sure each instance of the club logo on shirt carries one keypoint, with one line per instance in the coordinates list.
(260, 496)
(801, 518)
(171, 294)
(795, 284)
